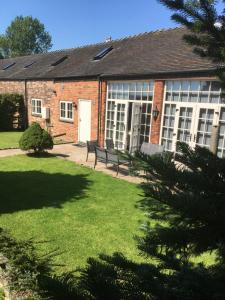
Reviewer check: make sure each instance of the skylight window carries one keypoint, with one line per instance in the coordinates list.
(59, 61)
(103, 53)
(8, 66)
(29, 65)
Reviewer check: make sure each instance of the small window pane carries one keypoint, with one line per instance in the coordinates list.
(185, 85)
(215, 86)
(176, 85)
(205, 86)
(194, 85)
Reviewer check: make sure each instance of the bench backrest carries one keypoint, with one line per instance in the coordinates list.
(112, 157)
(100, 153)
(109, 144)
(151, 149)
(91, 145)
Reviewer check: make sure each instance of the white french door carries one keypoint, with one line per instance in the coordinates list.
(184, 124)
(116, 123)
(190, 123)
(135, 127)
(207, 116)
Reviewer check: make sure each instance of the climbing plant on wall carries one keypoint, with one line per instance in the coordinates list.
(12, 112)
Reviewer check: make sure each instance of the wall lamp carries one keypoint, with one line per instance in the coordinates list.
(75, 105)
(155, 113)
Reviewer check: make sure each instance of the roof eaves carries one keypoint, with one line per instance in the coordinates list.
(161, 73)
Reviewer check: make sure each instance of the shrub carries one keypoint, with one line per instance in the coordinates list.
(10, 105)
(35, 138)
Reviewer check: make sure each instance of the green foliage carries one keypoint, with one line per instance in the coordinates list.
(29, 275)
(206, 25)
(10, 104)
(25, 36)
(24, 269)
(35, 138)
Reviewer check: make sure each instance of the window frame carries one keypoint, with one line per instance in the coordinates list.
(66, 111)
(34, 111)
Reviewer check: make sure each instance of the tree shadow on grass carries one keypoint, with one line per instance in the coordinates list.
(35, 190)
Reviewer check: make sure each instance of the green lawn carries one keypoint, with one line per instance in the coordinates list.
(79, 211)
(9, 139)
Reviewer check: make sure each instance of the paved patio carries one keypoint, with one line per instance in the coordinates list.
(77, 154)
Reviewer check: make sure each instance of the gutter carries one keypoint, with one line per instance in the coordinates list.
(162, 74)
(128, 75)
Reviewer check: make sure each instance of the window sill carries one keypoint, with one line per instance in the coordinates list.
(36, 115)
(66, 121)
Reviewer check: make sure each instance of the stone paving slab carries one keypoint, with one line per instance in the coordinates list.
(10, 152)
(77, 154)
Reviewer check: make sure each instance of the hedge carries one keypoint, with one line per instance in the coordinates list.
(12, 109)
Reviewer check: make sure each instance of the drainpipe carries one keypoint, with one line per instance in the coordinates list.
(25, 104)
(99, 107)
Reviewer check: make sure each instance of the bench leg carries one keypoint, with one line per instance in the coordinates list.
(95, 163)
(87, 156)
(118, 168)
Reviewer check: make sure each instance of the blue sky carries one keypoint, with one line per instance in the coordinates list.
(78, 22)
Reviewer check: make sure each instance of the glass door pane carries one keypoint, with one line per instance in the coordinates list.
(135, 127)
(168, 126)
(120, 126)
(204, 127)
(184, 129)
(110, 116)
(146, 110)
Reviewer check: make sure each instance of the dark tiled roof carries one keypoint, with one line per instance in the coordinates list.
(150, 53)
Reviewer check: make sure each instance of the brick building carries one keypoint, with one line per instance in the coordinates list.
(150, 87)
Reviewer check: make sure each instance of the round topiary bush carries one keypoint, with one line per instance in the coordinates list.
(35, 138)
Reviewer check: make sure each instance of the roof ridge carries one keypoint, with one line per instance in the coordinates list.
(130, 37)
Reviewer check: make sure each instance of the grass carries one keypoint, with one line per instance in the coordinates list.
(9, 139)
(78, 211)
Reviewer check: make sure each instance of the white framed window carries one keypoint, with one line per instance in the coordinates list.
(191, 109)
(66, 110)
(36, 106)
(132, 90)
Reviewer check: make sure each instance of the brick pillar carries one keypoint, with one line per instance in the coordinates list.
(103, 114)
(157, 101)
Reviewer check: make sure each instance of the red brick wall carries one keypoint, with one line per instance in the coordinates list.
(12, 87)
(157, 101)
(43, 90)
(73, 91)
(51, 93)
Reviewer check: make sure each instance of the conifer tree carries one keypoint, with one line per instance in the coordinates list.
(206, 28)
